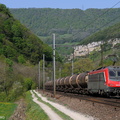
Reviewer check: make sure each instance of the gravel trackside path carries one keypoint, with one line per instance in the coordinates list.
(72, 114)
(52, 115)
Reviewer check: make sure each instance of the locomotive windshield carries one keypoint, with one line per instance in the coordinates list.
(119, 73)
(114, 75)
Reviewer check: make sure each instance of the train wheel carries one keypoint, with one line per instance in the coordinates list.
(107, 94)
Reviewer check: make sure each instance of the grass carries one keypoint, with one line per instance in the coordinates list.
(6, 110)
(34, 112)
(61, 114)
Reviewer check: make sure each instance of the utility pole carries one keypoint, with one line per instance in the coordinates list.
(73, 62)
(59, 72)
(102, 50)
(43, 73)
(72, 66)
(88, 50)
(39, 74)
(54, 85)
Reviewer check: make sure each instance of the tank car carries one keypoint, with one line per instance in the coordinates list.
(75, 83)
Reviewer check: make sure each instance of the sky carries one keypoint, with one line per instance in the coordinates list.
(64, 4)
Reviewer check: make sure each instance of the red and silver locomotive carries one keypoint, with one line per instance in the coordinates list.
(104, 81)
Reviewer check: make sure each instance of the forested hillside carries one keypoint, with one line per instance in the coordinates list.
(111, 32)
(70, 25)
(18, 43)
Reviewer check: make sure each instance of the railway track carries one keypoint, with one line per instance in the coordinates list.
(114, 102)
(110, 102)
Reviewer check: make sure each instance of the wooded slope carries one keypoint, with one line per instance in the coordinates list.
(19, 43)
(70, 25)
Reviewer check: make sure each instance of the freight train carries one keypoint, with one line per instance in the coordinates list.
(102, 81)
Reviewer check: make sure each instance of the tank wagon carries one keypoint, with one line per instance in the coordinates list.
(103, 81)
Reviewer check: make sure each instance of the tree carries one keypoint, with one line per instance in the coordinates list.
(83, 65)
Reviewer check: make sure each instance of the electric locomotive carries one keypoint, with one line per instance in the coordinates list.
(105, 81)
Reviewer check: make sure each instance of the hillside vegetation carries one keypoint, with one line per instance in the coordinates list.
(18, 43)
(109, 33)
(70, 25)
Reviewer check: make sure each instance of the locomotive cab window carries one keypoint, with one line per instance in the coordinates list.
(112, 73)
(118, 73)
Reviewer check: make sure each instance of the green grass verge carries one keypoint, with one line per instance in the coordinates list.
(61, 114)
(6, 110)
(34, 112)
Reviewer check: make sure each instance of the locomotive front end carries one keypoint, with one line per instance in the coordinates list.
(114, 80)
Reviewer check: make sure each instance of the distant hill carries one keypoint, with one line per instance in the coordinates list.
(111, 32)
(70, 25)
(19, 43)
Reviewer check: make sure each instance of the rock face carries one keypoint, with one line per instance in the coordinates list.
(19, 113)
(83, 50)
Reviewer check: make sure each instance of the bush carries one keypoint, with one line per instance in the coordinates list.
(17, 90)
(21, 59)
(2, 96)
(10, 64)
(29, 84)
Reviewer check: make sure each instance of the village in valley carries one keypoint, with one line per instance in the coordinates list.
(83, 50)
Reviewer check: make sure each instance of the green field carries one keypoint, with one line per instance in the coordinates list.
(6, 110)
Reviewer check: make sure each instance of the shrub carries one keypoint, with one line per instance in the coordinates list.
(17, 90)
(21, 59)
(2, 96)
(29, 84)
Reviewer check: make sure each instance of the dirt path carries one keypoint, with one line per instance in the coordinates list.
(52, 115)
(72, 114)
